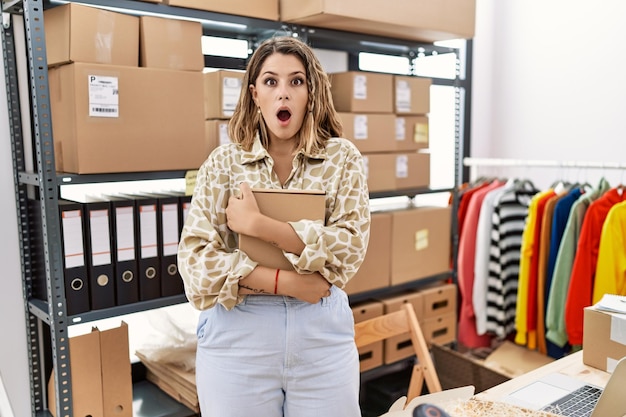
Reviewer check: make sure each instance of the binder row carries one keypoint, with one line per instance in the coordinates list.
(121, 249)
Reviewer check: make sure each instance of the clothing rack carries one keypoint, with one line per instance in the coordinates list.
(473, 162)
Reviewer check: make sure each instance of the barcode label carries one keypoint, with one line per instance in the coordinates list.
(103, 96)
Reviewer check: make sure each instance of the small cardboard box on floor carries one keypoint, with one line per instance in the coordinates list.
(604, 337)
(101, 374)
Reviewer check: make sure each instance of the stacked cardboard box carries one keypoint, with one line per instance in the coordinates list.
(386, 116)
(221, 94)
(435, 308)
(126, 95)
(421, 20)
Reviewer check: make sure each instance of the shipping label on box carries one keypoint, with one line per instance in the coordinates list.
(604, 338)
(420, 243)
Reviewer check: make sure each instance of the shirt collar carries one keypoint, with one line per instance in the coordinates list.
(258, 152)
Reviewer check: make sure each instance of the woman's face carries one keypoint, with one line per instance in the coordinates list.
(282, 94)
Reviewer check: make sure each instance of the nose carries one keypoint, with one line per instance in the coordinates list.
(283, 93)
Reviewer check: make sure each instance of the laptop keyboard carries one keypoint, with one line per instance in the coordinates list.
(579, 403)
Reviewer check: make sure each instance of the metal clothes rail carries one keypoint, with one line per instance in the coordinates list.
(475, 162)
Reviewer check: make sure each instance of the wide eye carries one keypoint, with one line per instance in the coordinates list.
(269, 81)
(297, 81)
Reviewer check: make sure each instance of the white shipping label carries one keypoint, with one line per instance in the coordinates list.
(618, 329)
(103, 96)
(360, 127)
(231, 88)
(403, 96)
(148, 232)
(73, 254)
(125, 233)
(223, 133)
(402, 166)
(360, 87)
(100, 237)
(169, 224)
(400, 128)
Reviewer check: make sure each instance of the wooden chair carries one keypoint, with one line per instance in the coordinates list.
(394, 324)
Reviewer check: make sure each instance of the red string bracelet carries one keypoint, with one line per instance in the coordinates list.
(276, 282)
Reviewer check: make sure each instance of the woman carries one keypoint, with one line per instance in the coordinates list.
(277, 343)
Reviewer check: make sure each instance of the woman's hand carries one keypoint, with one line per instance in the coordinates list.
(242, 212)
(310, 288)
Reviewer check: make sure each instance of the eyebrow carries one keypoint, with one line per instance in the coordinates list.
(293, 73)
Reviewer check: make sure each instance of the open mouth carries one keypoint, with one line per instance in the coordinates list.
(283, 115)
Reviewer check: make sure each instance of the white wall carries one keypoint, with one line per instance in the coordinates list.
(14, 377)
(548, 85)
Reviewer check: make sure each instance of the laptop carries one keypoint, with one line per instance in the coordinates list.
(567, 396)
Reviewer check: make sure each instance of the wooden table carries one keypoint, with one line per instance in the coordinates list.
(571, 365)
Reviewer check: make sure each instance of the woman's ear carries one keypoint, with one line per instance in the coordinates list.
(253, 93)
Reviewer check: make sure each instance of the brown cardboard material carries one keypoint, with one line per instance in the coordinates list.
(216, 134)
(282, 205)
(439, 300)
(86, 369)
(360, 91)
(422, 20)
(604, 338)
(400, 347)
(80, 33)
(155, 119)
(170, 44)
(374, 272)
(101, 374)
(412, 170)
(411, 133)
(117, 381)
(514, 360)
(440, 330)
(262, 9)
(369, 132)
(411, 94)
(420, 244)
(370, 356)
(380, 170)
(221, 93)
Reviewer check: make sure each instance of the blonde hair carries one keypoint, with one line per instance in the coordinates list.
(321, 121)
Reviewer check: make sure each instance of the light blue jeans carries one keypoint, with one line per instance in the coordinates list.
(274, 356)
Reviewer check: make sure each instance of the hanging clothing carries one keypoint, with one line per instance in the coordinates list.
(555, 309)
(506, 240)
(465, 269)
(526, 254)
(542, 267)
(483, 254)
(611, 268)
(527, 279)
(559, 221)
(580, 290)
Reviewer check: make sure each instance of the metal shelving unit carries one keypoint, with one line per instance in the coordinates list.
(37, 183)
